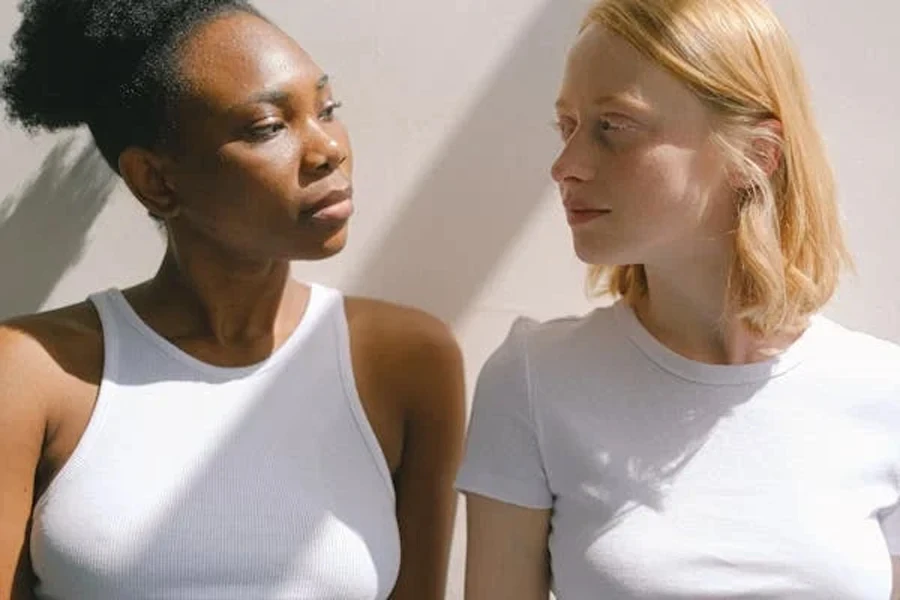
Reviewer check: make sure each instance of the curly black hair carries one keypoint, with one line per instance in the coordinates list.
(109, 64)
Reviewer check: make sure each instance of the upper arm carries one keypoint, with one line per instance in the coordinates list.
(432, 448)
(504, 457)
(506, 555)
(890, 527)
(411, 371)
(895, 569)
(509, 498)
(22, 427)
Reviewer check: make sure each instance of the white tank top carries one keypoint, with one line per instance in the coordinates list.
(198, 482)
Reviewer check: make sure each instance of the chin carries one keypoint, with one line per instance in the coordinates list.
(597, 250)
(326, 248)
(592, 255)
(607, 257)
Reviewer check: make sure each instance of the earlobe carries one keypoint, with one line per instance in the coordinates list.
(145, 174)
(764, 149)
(767, 146)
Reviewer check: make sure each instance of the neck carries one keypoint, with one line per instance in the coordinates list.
(233, 301)
(687, 309)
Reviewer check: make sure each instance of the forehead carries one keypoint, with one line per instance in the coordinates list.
(601, 64)
(236, 55)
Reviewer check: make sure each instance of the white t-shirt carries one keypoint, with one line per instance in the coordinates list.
(672, 479)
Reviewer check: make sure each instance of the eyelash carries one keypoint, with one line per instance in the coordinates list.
(559, 127)
(327, 113)
(269, 130)
(603, 125)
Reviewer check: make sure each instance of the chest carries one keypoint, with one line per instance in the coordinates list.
(220, 491)
(692, 499)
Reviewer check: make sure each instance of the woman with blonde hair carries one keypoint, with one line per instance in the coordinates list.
(709, 435)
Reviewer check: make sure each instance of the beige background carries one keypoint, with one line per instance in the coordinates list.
(449, 105)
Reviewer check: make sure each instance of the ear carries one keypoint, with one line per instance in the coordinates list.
(766, 147)
(762, 146)
(146, 175)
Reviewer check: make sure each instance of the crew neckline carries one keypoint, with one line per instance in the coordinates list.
(708, 373)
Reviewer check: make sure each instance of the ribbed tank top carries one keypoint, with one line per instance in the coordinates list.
(193, 481)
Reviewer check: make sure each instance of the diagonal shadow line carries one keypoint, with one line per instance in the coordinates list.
(486, 182)
(43, 227)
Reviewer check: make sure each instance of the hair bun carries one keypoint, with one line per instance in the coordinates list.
(109, 64)
(52, 79)
(73, 57)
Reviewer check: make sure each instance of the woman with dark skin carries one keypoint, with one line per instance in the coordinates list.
(224, 129)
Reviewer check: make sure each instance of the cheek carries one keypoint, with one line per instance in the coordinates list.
(269, 173)
(668, 179)
(237, 187)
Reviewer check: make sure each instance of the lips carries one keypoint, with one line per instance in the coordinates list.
(334, 206)
(580, 212)
(578, 217)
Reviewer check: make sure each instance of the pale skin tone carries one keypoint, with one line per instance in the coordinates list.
(642, 183)
(223, 294)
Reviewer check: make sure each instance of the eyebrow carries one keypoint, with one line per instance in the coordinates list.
(273, 96)
(276, 96)
(621, 99)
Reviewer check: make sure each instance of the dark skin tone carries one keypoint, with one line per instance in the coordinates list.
(239, 202)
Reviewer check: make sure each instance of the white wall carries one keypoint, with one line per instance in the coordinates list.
(448, 105)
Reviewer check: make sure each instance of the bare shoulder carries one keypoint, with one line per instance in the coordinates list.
(38, 350)
(402, 330)
(410, 348)
(46, 361)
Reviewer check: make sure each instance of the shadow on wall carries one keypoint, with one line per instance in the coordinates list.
(43, 226)
(486, 181)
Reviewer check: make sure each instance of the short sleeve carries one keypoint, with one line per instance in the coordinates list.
(890, 526)
(503, 457)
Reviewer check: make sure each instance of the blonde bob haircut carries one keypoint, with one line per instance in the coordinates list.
(736, 57)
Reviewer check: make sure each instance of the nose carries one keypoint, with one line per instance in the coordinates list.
(576, 161)
(322, 152)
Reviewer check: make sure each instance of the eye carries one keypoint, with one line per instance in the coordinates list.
(327, 113)
(266, 130)
(606, 126)
(565, 126)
